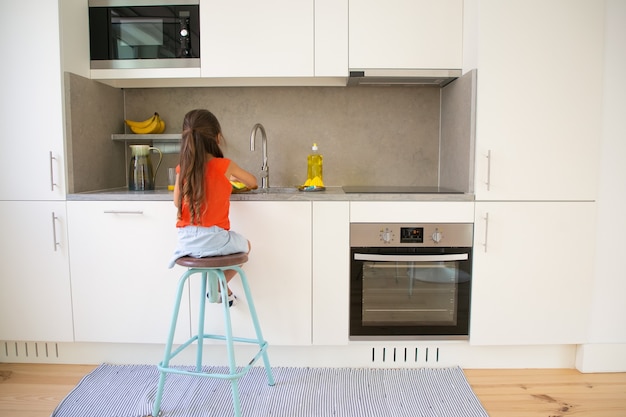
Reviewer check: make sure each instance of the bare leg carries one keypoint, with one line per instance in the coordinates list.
(229, 274)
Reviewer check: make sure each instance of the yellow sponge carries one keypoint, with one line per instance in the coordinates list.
(238, 185)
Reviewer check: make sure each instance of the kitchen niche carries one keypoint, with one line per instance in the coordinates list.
(401, 135)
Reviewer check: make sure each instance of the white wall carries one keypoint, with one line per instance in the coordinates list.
(608, 324)
(607, 331)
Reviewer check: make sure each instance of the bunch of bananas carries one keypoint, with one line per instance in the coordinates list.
(153, 125)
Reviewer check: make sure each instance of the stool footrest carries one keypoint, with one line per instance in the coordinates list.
(230, 376)
(174, 353)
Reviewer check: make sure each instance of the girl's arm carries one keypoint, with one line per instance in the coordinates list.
(235, 173)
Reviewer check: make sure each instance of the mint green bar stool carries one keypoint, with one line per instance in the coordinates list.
(211, 270)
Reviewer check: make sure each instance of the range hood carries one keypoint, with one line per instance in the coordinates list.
(438, 77)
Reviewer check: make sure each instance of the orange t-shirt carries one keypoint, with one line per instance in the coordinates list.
(217, 189)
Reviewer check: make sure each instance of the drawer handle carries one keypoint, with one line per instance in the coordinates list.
(123, 211)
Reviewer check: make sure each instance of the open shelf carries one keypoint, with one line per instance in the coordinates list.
(164, 137)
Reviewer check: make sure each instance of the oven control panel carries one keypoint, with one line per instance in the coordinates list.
(420, 235)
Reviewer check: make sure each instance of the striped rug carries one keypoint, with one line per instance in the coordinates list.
(129, 391)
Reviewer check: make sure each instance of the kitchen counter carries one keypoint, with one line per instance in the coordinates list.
(271, 194)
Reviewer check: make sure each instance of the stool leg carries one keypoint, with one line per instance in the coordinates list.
(230, 345)
(201, 314)
(257, 326)
(213, 290)
(168, 346)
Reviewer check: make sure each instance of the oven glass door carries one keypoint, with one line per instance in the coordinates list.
(410, 292)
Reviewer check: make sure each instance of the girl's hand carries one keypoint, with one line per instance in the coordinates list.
(236, 173)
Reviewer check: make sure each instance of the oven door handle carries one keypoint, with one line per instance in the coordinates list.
(410, 258)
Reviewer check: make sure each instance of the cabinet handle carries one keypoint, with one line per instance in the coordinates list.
(52, 183)
(54, 231)
(488, 182)
(123, 211)
(486, 230)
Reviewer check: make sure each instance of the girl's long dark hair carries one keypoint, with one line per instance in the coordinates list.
(199, 138)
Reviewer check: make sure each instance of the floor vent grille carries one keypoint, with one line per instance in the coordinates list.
(18, 351)
(405, 355)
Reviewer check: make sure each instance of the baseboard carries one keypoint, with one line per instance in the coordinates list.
(601, 357)
(361, 354)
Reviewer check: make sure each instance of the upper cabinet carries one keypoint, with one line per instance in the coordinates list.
(406, 34)
(331, 38)
(539, 99)
(32, 111)
(275, 38)
(248, 43)
(245, 38)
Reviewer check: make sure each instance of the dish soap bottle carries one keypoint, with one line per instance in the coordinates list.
(314, 174)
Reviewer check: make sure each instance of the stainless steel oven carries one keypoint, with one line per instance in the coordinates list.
(410, 281)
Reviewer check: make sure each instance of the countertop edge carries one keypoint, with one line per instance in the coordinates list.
(330, 194)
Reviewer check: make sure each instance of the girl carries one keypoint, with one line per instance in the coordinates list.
(202, 193)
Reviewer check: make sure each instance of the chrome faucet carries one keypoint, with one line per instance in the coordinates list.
(265, 172)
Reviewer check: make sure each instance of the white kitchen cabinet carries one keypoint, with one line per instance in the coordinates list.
(35, 301)
(406, 34)
(532, 281)
(331, 272)
(278, 271)
(247, 38)
(122, 290)
(32, 103)
(538, 126)
(331, 38)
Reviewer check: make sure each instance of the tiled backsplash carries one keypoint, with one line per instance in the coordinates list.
(368, 135)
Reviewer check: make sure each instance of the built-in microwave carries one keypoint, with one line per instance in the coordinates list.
(144, 34)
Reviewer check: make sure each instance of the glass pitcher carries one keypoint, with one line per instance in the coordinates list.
(141, 176)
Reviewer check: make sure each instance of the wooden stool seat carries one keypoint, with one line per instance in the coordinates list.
(213, 261)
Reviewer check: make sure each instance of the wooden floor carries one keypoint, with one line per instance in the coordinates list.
(28, 390)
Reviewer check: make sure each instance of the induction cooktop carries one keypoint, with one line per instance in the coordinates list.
(393, 189)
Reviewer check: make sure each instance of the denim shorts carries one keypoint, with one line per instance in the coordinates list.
(200, 242)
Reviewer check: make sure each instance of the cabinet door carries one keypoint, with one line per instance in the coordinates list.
(247, 38)
(413, 34)
(331, 38)
(35, 298)
(278, 271)
(32, 112)
(122, 290)
(532, 281)
(331, 272)
(538, 127)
